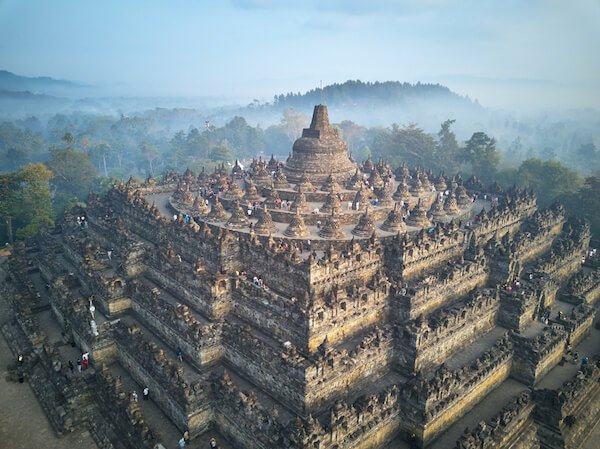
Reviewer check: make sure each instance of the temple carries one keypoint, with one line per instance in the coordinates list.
(316, 303)
(319, 153)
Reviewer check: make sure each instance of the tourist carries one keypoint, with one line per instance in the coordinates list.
(71, 367)
(79, 364)
(213, 444)
(181, 443)
(21, 359)
(134, 396)
(146, 393)
(179, 354)
(109, 254)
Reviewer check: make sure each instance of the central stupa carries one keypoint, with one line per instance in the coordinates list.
(319, 153)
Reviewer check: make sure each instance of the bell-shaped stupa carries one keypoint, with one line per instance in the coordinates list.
(320, 152)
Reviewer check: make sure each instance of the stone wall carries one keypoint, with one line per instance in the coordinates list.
(512, 428)
(578, 323)
(278, 370)
(409, 256)
(518, 307)
(176, 325)
(123, 413)
(427, 293)
(534, 357)
(332, 372)
(565, 416)
(426, 343)
(433, 405)
(341, 315)
(583, 287)
(150, 367)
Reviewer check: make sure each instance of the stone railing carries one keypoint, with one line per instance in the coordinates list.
(246, 421)
(518, 306)
(177, 325)
(163, 369)
(567, 413)
(432, 403)
(584, 287)
(123, 412)
(432, 291)
(578, 322)
(356, 261)
(278, 315)
(426, 251)
(330, 371)
(433, 339)
(501, 431)
(534, 357)
(277, 369)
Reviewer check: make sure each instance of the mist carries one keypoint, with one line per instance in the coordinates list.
(137, 74)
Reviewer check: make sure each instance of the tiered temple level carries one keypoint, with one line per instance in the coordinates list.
(244, 317)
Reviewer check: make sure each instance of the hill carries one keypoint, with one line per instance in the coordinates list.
(38, 85)
(374, 104)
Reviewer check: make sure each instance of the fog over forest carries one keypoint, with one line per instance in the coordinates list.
(188, 85)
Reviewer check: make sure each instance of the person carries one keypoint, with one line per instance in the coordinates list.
(71, 366)
(109, 254)
(92, 309)
(146, 393)
(79, 364)
(134, 396)
(181, 443)
(21, 359)
(213, 444)
(179, 354)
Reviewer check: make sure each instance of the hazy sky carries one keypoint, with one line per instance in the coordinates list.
(502, 52)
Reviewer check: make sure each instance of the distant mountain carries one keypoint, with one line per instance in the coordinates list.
(355, 93)
(38, 85)
(15, 104)
(374, 104)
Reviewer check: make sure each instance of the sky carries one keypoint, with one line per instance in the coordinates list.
(504, 53)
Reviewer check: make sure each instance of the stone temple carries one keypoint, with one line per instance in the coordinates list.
(312, 304)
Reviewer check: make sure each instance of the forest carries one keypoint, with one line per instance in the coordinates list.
(48, 163)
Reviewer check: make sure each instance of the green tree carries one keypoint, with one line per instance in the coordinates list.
(221, 152)
(35, 203)
(150, 153)
(586, 202)
(73, 178)
(404, 144)
(481, 154)
(353, 134)
(447, 147)
(293, 122)
(550, 180)
(9, 189)
(101, 153)
(586, 157)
